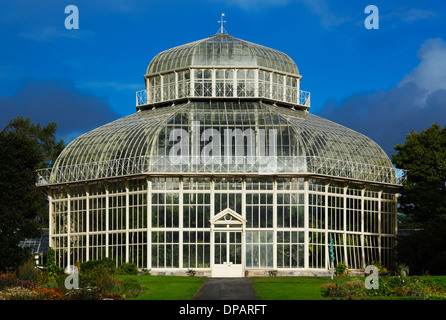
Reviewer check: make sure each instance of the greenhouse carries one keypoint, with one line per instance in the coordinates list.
(223, 170)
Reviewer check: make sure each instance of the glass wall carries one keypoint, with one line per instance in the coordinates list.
(165, 223)
(216, 82)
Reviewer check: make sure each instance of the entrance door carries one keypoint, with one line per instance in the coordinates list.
(227, 254)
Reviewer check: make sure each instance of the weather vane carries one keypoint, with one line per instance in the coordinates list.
(222, 30)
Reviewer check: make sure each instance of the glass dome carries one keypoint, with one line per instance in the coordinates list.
(223, 137)
(206, 122)
(221, 50)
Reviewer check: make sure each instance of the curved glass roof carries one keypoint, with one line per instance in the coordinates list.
(221, 50)
(235, 137)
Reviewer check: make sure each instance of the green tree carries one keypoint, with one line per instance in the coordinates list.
(43, 136)
(422, 202)
(24, 147)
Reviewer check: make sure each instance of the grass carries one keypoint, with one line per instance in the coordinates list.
(167, 287)
(291, 288)
(308, 288)
(266, 288)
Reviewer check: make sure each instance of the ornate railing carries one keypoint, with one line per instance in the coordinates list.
(169, 92)
(267, 165)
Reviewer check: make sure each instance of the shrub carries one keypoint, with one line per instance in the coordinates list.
(107, 263)
(348, 290)
(382, 270)
(43, 293)
(27, 271)
(51, 266)
(191, 272)
(131, 287)
(83, 294)
(112, 296)
(272, 273)
(127, 268)
(342, 270)
(9, 279)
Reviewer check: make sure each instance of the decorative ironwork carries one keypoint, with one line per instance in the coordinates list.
(156, 164)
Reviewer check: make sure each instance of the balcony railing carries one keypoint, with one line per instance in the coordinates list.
(247, 89)
(268, 165)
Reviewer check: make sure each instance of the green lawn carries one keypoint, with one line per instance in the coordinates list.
(266, 288)
(291, 288)
(167, 287)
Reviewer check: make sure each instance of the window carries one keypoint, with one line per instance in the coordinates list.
(259, 249)
(203, 82)
(290, 210)
(165, 249)
(290, 249)
(196, 249)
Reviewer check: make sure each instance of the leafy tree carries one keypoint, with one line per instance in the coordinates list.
(423, 197)
(24, 147)
(44, 137)
(422, 202)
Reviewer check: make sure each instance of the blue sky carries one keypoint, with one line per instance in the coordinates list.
(381, 82)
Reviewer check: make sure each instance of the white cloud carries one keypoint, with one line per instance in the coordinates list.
(416, 102)
(430, 74)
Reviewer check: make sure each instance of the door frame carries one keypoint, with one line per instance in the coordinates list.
(221, 223)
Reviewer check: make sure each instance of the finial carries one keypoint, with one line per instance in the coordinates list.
(222, 30)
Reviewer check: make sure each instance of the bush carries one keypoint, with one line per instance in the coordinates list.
(107, 263)
(83, 294)
(28, 271)
(127, 269)
(191, 272)
(112, 296)
(382, 270)
(348, 290)
(342, 270)
(43, 293)
(51, 267)
(9, 279)
(131, 287)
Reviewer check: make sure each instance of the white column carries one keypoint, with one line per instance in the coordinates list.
(87, 227)
(127, 213)
(176, 85)
(214, 89)
(161, 87)
(180, 223)
(234, 90)
(362, 227)
(149, 223)
(256, 82)
(212, 214)
(192, 82)
(327, 254)
(344, 234)
(379, 223)
(68, 227)
(107, 220)
(306, 224)
(284, 89)
(50, 222)
(274, 223)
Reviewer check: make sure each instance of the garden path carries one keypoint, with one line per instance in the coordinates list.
(226, 289)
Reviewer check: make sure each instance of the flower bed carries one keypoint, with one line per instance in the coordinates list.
(388, 287)
(96, 282)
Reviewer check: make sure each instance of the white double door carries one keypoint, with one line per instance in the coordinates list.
(228, 257)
